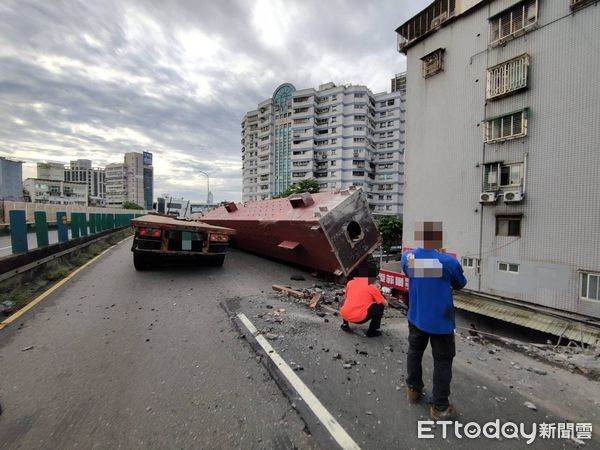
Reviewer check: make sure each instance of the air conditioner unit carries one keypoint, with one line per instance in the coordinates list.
(487, 197)
(513, 196)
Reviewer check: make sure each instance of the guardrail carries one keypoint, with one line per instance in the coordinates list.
(30, 208)
(82, 224)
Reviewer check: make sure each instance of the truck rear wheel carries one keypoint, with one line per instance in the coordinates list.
(140, 262)
(217, 261)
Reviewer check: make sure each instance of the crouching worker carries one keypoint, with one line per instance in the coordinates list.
(432, 275)
(363, 302)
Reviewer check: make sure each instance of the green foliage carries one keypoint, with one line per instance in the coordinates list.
(310, 185)
(131, 205)
(390, 228)
(56, 273)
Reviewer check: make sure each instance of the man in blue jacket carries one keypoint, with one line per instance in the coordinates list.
(432, 276)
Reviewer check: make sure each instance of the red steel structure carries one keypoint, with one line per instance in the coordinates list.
(330, 231)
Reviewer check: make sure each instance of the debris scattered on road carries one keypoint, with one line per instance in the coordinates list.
(530, 406)
(24, 349)
(272, 336)
(297, 277)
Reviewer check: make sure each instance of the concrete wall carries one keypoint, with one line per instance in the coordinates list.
(51, 210)
(561, 213)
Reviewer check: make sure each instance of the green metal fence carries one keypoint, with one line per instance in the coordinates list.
(82, 224)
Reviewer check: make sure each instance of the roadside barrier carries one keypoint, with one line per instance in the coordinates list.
(82, 225)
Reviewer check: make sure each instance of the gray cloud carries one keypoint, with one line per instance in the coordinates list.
(96, 79)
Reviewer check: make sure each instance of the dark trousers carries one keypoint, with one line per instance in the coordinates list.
(374, 314)
(443, 351)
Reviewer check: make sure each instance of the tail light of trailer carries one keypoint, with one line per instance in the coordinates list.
(216, 237)
(151, 232)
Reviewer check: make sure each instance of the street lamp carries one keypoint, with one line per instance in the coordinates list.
(207, 186)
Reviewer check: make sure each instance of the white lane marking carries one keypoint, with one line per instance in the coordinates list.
(335, 429)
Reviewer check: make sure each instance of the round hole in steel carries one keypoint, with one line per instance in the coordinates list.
(354, 231)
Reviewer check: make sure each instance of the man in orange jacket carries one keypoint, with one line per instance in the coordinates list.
(363, 301)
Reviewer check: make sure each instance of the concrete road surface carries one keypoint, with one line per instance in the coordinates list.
(124, 359)
(6, 249)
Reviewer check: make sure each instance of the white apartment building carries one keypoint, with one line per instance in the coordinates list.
(81, 170)
(56, 192)
(131, 180)
(502, 134)
(115, 184)
(341, 136)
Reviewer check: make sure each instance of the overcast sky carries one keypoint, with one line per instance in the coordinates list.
(96, 79)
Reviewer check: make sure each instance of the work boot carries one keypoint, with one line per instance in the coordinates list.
(372, 333)
(413, 395)
(449, 413)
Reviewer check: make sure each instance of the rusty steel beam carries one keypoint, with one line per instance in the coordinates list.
(330, 231)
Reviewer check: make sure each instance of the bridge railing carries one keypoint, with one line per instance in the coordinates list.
(79, 223)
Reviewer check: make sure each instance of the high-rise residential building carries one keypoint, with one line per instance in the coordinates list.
(116, 184)
(148, 180)
(132, 180)
(399, 83)
(341, 136)
(11, 179)
(502, 100)
(81, 170)
(51, 171)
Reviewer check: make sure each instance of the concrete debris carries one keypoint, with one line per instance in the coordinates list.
(24, 349)
(530, 406)
(272, 336)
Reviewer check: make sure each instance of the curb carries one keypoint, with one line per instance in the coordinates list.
(312, 424)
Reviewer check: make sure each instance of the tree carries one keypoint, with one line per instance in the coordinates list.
(131, 205)
(390, 228)
(310, 185)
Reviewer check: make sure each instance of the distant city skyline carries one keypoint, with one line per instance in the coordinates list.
(98, 80)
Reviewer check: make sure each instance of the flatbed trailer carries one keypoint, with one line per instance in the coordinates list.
(159, 238)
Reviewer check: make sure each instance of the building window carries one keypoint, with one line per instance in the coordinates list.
(590, 286)
(432, 63)
(513, 21)
(508, 226)
(508, 267)
(498, 175)
(509, 126)
(470, 262)
(510, 76)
